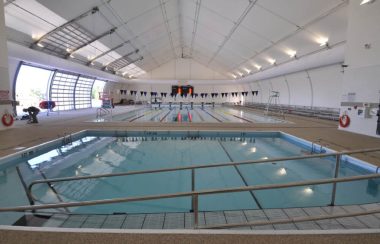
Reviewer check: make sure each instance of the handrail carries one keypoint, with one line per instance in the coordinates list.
(100, 110)
(191, 193)
(196, 167)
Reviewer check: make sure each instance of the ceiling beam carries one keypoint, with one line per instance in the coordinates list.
(109, 32)
(300, 28)
(236, 25)
(180, 24)
(107, 52)
(61, 27)
(195, 26)
(119, 60)
(131, 62)
(124, 26)
(165, 16)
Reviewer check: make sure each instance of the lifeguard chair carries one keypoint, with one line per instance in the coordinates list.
(274, 104)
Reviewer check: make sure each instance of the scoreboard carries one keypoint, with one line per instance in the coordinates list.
(181, 90)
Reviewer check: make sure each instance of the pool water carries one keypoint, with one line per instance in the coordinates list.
(99, 153)
(198, 114)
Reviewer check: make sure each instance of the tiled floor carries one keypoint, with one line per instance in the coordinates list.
(185, 220)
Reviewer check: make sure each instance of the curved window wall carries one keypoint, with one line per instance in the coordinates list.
(32, 86)
(68, 90)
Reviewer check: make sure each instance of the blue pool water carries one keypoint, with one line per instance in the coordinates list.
(197, 114)
(97, 152)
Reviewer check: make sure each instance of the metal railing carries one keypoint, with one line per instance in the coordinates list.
(195, 194)
(102, 112)
(193, 167)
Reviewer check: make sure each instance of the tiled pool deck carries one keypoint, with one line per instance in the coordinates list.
(185, 220)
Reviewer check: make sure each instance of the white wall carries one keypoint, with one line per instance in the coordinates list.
(4, 74)
(363, 72)
(183, 69)
(313, 88)
(198, 88)
(316, 87)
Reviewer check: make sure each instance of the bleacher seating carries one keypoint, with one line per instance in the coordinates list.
(317, 112)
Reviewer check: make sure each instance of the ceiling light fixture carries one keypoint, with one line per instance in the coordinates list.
(291, 53)
(258, 67)
(72, 56)
(272, 61)
(40, 44)
(36, 37)
(367, 2)
(69, 50)
(247, 70)
(240, 74)
(234, 76)
(92, 63)
(323, 41)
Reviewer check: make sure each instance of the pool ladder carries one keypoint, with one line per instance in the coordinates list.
(67, 140)
(103, 112)
(314, 144)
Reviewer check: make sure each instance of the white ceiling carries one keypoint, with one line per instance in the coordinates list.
(228, 36)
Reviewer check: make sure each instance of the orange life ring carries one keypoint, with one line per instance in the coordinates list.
(344, 121)
(7, 119)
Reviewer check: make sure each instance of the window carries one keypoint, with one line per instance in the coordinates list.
(31, 86)
(62, 90)
(83, 92)
(68, 90)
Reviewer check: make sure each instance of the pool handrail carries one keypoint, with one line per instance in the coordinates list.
(193, 194)
(193, 167)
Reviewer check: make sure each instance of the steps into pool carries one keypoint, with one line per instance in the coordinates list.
(185, 220)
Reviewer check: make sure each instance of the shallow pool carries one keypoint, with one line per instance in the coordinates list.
(100, 152)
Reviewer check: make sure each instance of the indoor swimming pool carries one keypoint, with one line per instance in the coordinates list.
(188, 114)
(100, 152)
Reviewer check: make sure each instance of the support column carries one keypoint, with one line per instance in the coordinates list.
(5, 86)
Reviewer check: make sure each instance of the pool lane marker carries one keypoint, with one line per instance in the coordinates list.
(165, 116)
(189, 115)
(216, 112)
(247, 120)
(196, 111)
(151, 119)
(213, 116)
(241, 175)
(146, 113)
(132, 111)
